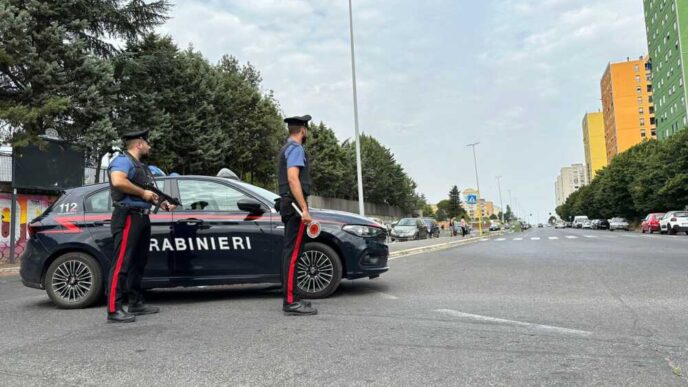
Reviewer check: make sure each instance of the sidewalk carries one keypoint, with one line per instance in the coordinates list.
(9, 269)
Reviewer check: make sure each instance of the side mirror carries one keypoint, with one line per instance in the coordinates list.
(251, 206)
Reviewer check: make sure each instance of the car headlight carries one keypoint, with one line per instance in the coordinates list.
(363, 231)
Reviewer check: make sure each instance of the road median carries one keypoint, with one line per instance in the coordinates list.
(434, 247)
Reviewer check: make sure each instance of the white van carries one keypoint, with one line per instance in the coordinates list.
(578, 221)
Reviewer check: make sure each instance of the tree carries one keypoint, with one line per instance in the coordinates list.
(454, 208)
(552, 219)
(51, 69)
(493, 217)
(327, 161)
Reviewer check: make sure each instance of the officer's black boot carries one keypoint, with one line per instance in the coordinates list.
(299, 308)
(141, 309)
(120, 316)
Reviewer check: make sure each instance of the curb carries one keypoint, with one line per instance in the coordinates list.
(441, 246)
(9, 270)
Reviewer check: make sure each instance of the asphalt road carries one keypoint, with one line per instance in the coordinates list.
(545, 307)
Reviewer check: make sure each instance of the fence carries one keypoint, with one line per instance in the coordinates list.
(6, 170)
(371, 209)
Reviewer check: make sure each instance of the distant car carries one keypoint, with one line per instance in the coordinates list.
(651, 222)
(673, 222)
(594, 223)
(587, 224)
(495, 227)
(579, 221)
(540, 225)
(560, 224)
(433, 227)
(568, 224)
(409, 229)
(603, 224)
(618, 224)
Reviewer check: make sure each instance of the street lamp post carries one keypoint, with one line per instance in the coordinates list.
(477, 183)
(359, 173)
(501, 204)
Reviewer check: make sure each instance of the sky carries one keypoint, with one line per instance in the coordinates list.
(434, 75)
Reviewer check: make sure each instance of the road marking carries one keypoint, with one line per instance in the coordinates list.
(535, 238)
(571, 237)
(590, 236)
(518, 239)
(484, 240)
(500, 239)
(552, 238)
(538, 327)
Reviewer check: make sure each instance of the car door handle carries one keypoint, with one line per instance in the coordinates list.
(190, 221)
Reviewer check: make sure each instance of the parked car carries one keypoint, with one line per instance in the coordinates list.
(540, 225)
(568, 224)
(409, 229)
(594, 223)
(673, 222)
(603, 224)
(587, 224)
(495, 227)
(560, 224)
(235, 237)
(433, 227)
(578, 221)
(618, 224)
(651, 222)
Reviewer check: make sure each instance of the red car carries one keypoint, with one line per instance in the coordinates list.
(651, 222)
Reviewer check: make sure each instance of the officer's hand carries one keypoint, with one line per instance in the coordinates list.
(306, 217)
(150, 196)
(167, 206)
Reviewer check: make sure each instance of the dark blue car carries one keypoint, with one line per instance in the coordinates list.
(225, 232)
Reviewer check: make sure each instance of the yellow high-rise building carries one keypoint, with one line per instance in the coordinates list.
(629, 114)
(594, 143)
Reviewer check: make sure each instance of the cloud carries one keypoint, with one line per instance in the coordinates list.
(516, 75)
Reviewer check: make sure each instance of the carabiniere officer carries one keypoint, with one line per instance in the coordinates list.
(130, 227)
(294, 187)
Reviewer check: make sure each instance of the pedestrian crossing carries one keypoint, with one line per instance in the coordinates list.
(552, 238)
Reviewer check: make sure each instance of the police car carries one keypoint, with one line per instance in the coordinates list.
(225, 232)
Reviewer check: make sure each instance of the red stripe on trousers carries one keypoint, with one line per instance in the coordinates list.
(292, 264)
(118, 267)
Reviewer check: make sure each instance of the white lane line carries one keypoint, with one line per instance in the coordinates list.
(535, 238)
(500, 239)
(484, 240)
(518, 239)
(538, 327)
(590, 236)
(552, 238)
(571, 237)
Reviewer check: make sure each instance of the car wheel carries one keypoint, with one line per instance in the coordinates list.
(318, 271)
(672, 230)
(74, 281)
(642, 230)
(650, 231)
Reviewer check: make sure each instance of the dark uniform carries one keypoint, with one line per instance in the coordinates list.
(291, 155)
(131, 230)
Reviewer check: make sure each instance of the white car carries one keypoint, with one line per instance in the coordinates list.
(618, 224)
(587, 224)
(579, 221)
(560, 225)
(673, 222)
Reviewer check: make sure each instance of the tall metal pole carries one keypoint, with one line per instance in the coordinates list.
(501, 204)
(361, 207)
(477, 183)
(13, 212)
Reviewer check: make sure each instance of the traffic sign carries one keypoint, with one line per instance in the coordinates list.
(471, 199)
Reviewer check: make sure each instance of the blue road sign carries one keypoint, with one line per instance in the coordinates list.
(471, 199)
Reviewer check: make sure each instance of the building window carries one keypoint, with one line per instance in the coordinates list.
(636, 68)
(637, 79)
(649, 88)
(640, 100)
(642, 133)
(638, 90)
(641, 111)
(642, 122)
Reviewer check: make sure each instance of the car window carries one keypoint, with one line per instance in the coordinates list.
(681, 214)
(198, 195)
(405, 222)
(98, 202)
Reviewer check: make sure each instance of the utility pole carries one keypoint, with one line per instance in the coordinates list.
(359, 173)
(501, 204)
(477, 183)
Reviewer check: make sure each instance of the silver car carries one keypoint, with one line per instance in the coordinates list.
(618, 224)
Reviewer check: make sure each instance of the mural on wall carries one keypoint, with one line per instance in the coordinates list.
(28, 208)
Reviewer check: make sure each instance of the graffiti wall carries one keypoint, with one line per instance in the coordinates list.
(28, 208)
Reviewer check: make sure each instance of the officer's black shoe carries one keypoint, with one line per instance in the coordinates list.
(120, 316)
(141, 309)
(299, 308)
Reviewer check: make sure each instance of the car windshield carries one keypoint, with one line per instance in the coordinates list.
(263, 193)
(682, 214)
(407, 222)
(618, 220)
(428, 222)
